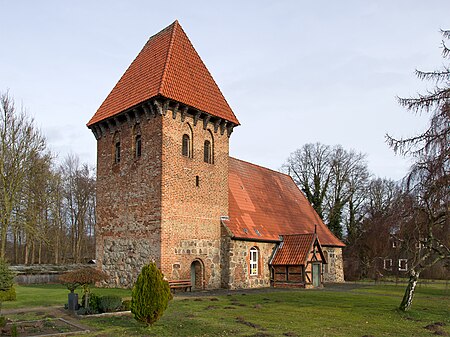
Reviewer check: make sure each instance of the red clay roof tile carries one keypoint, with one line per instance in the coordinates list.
(294, 250)
(271, 203)
(169, 66)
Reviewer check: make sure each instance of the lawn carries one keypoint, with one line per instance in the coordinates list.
(335, 311)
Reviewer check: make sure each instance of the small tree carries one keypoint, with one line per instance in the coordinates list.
(150, 296)
(7, 291)
(83, 277)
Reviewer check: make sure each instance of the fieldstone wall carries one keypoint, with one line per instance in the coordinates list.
(333, 272)
(124, 258)
(236, 272)
(207, 252)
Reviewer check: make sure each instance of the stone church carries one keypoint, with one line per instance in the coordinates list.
(168, 191)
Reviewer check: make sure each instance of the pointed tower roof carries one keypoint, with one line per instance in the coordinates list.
(167, 66)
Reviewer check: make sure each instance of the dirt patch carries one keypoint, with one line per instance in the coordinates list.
(47, 327)
(242, 320)
(261, 334)
(211, 307)
(437, 328)
(290, 334)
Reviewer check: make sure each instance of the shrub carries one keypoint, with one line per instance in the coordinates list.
(126, 305)
(6, 276)
(109, 303)
(150, 295)
(8, 295)
(7, 291)
(93, 306)
(83, 277)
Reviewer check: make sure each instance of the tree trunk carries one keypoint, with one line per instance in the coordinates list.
(40, 252)
(409, 292)
(57, 248)
(16, 248)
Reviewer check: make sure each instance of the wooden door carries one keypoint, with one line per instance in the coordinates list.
(316, 274)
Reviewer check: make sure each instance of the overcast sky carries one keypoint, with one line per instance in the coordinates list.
(294, 72)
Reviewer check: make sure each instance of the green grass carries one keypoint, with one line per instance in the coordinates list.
(52, 295)
(363, 310)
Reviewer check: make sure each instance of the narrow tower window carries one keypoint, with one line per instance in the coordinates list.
(137, 146)
(207, 152)
(117, 153)
(186, 146)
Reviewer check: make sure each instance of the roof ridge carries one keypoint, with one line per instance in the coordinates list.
(169, 54)
(283, 235)
(263, 167)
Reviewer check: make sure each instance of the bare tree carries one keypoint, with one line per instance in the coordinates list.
(377, 218)
(349, 174)
(309, 166)
(428, 179)
(331, 178)
(79, 198)
(19, 141)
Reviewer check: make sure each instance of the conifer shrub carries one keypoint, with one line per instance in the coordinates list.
(8, 295)
(7, 291)
(150, 295)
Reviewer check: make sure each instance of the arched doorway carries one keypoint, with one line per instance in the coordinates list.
(197, 275)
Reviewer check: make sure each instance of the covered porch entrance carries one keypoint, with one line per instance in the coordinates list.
(297, 262)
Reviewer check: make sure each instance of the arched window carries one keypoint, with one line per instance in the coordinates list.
(254, 261)
(208, 149)
(207, 152)
(186, 147)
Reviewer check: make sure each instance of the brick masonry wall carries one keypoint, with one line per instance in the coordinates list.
(333, 272)
(237, 273)
(190, 227)
(128, 210)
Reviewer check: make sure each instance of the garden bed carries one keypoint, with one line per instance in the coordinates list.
(44, 327)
